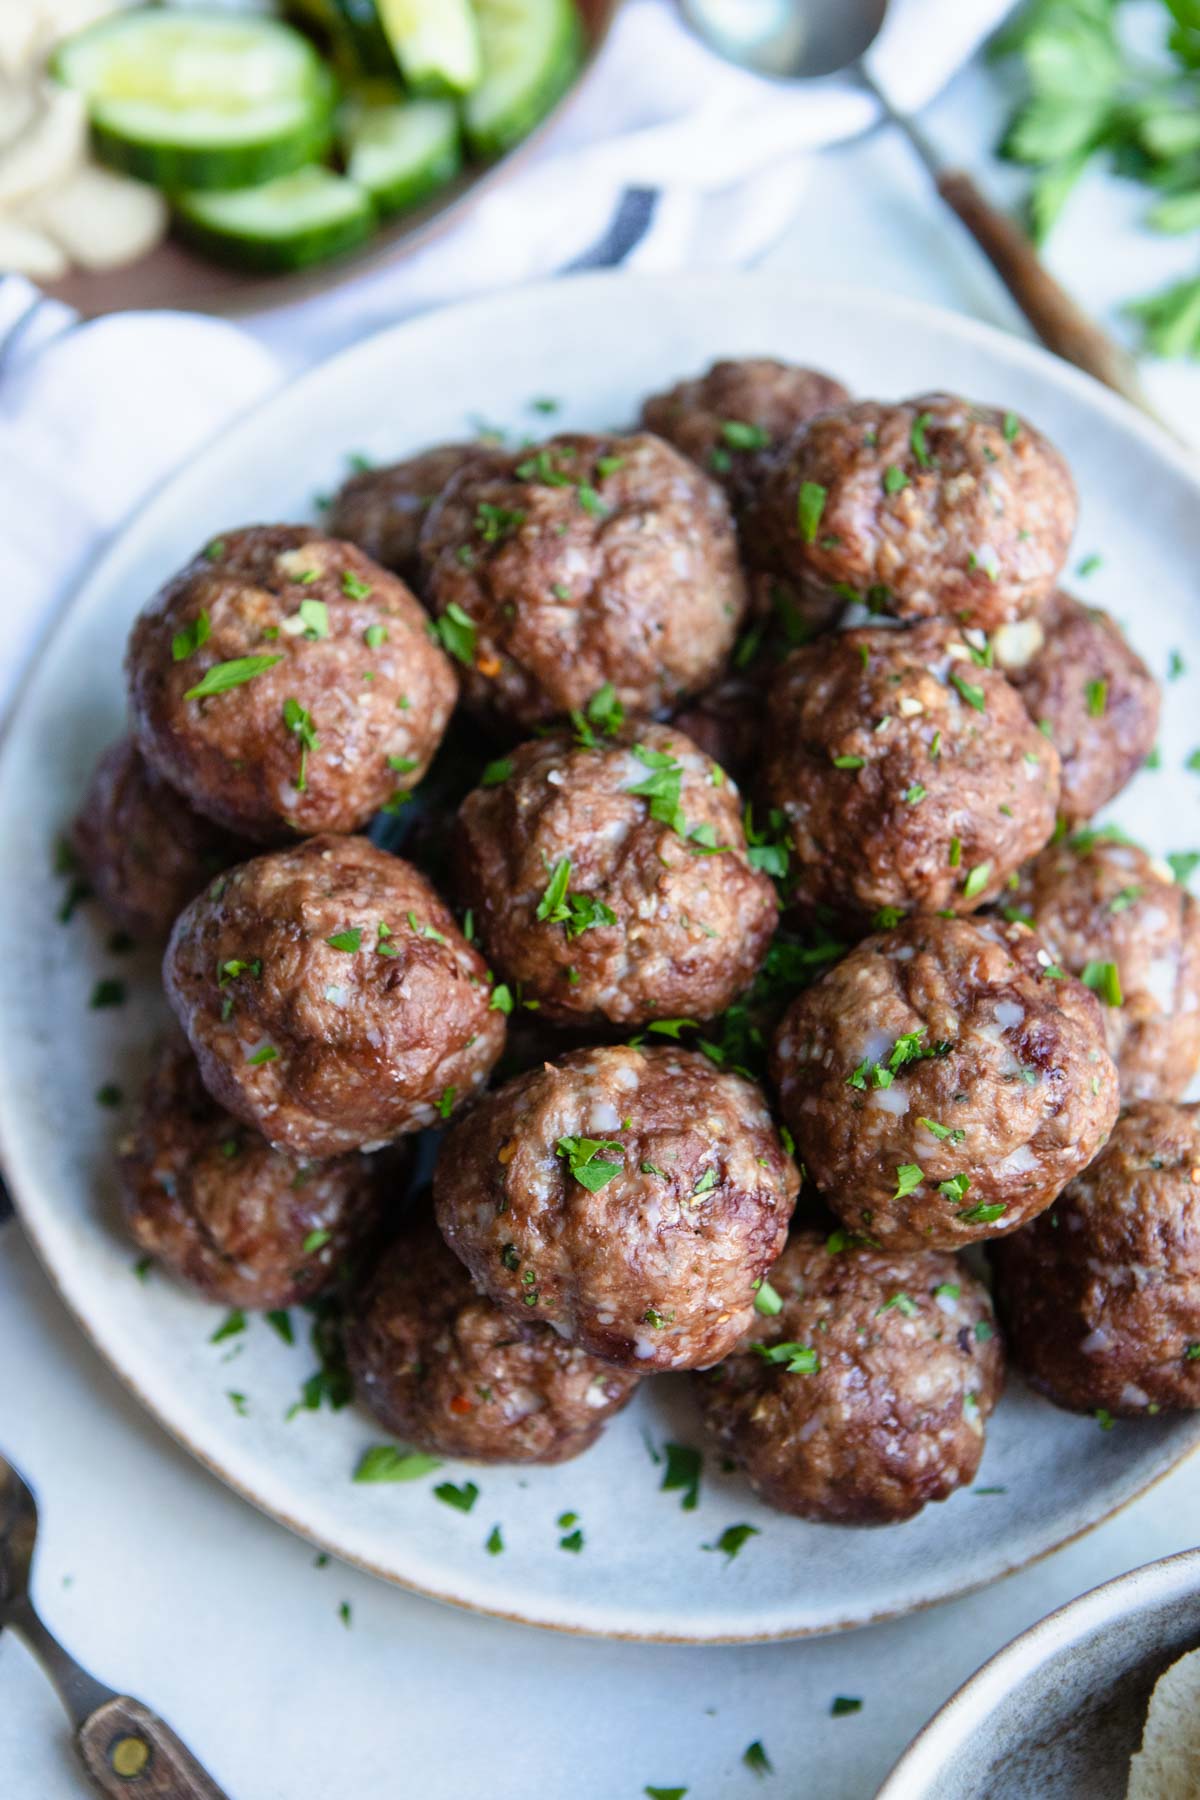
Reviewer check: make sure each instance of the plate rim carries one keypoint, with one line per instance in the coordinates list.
(968, 330)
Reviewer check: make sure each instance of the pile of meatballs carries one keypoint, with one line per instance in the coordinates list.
(771, 964)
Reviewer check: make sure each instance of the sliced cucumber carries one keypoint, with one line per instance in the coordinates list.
(435, 43)
(287, 223)
(531, 54)
(200, 99)
(401, 151)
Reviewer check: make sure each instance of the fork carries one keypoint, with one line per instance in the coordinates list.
(129, 1752)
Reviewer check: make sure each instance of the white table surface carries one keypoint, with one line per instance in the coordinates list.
(171, 1588)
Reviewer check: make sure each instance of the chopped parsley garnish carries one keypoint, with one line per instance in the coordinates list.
(1104, 978)
(948, 1290)
(143, 1266)
(767, 1301)
(915, 794)
(797, 1359)
(501, 1000)
(495, 523)
(590, 500)
(462, 1498)
(316, 1240)
(314, 616)
(894, 480)
(1128, 896)
(909, 1177)
(843, 1705)
(456, 631)
(238, 1402)
(974, 696)
(496, 772)
(810, 505)
(909, 1047)
(230, 1326)
(190, 638)
(424, 930)
(1089, 565)
(575, 912)
(1012, 426)
(573, 1540)
(984, 1213)
(266, 1053)
(955, 1187)
(349, 941)
(344, 1613)
(741, 436)
(977, 879)
(954, 1134)
(109, 1095)
(1104, 1418)
(299, 721)
(732, 1539)
(445, 1105)
(900, 1303)
(849, 762)
(374, 636)
(1183, 864)
(280, 1321)
(682, 1474)
(661, 1793)
(756, 1758)
(494, 1544)
(225, 675)
(588, 1160)
(916, 438)
(107, 992)
(1175, 666)
(661, 787)
(215, 550)
(383, 1462)
(1097, 698)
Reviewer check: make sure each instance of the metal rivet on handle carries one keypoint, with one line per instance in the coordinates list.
(129, 1756)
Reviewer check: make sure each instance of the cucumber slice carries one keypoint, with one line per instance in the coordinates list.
(435, 43)
(287, 223)
(200, 99)
(401, 151)
(531, 53)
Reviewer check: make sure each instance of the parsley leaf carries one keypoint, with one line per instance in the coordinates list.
(225, 675)
(587, 1160)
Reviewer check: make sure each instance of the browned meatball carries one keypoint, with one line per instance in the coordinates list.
(588, 561)
(944, 1082)
(330, 998)
(1101, 1295)
(217, 1206)
(443, 1368)
(141, 846)
(631, 1198)
(382, 510)
(730, 419)
(865, 1396)
(1092, 695)
(924, 508)
(609, 876)
(284, 682)
(1111, 914)
(909, 777)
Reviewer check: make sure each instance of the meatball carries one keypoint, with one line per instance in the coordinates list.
(443, 1368)
(1112, 915)
(141, 846)
(1101, 1295)
(213, 1202)
(929, 507)
(382, 510)
(1094, 698)
(586, 562)
(283, 682)
(865, 1396)
(330, 998)
(730, 419)
(944, 1082)
(909, 777)
(630, 1198)
(609, 875)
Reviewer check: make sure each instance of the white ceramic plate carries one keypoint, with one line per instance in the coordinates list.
(598, 344)
(1059, 1712)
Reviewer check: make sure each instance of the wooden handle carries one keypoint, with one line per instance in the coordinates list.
(131, 1754)
(1062, 325)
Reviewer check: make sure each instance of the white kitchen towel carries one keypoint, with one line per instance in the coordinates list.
(668, 158)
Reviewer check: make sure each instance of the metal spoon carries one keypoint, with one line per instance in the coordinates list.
(803, 40)
(127, 1750)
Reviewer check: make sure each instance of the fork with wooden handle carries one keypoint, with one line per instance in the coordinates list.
(129, 1752)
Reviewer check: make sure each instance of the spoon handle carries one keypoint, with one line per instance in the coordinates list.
(131, 1754)
(1062, 325)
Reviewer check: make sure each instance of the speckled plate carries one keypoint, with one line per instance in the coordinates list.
(596, 344)
(1059, 1712)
